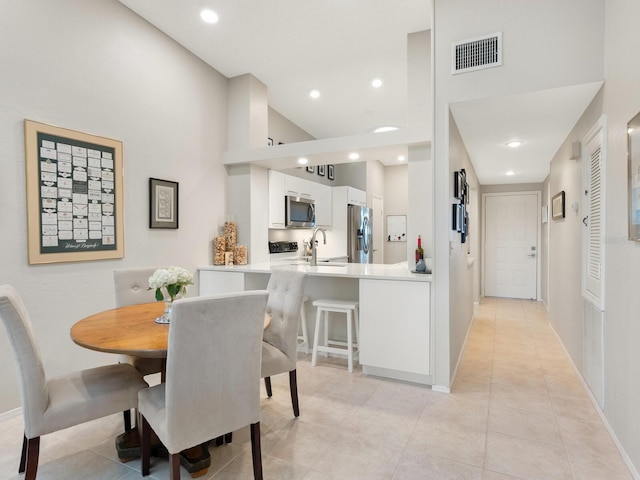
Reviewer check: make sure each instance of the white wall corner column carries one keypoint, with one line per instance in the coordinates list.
(248, 113)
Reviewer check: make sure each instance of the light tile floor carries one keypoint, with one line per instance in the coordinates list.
(516, 411)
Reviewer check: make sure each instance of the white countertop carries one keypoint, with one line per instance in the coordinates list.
(397, 271)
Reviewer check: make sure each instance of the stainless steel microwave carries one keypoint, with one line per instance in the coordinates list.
(299, 212)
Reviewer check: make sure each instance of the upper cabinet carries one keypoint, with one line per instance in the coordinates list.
(276, 199)
(298, 187)
(322, 196)
(356, 197)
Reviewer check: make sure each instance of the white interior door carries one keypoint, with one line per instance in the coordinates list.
(378, 229)
(511, 245)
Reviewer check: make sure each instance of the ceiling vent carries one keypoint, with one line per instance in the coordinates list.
(477, 53)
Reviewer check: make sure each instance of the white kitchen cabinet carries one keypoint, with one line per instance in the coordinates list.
(322, 196)
(356, 197)
(395, 335)
(276, 199)
(298, 187)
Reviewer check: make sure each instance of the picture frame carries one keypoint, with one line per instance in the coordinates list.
(457, 213)
(269, 142)
(330, 172)
(557, 206)
(633, 154)
(459, 182)
(321, 170)
(163, 204)
(396, 228)
(75, 200)
(310, 168)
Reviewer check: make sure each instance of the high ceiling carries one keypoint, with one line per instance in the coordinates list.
(294, 46)
(338, 47)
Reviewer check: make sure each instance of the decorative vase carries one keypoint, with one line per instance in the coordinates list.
(166, 316)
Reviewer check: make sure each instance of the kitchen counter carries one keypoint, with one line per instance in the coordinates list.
(397, 271)
(395, 338)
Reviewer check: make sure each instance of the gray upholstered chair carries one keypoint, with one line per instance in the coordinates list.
(280, 342)
(132, 288)
(64, 401)
(213, 376)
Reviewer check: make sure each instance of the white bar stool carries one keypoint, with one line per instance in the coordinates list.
(304, 345)
(348, 307)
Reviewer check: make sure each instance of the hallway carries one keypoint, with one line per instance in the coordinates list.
(516, 411)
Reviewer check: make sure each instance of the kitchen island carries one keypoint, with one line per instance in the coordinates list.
(395, 339)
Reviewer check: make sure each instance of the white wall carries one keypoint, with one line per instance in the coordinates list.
(97, 67)
(461, 274)
(395, 203)
(622, 325)
(565, 240)
(282, 130)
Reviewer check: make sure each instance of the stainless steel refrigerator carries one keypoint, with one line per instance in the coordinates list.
(359, 230)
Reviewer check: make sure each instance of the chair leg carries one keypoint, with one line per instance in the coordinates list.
(267, 385)
(33, 452)
(174, 466)
(316, 335)
(228, 437)
(293, 386)
(255, 451)
(23, 455)
(145, 446)
(127, 420)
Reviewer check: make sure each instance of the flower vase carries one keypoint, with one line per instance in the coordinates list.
(165, 318)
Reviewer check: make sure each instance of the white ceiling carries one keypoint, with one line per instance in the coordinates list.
(337, 47)
(542, 120)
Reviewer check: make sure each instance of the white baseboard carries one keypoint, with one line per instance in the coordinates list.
(596, 405)
(11, 413)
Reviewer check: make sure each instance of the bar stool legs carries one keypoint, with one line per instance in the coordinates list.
(303, 323)
(350, 309)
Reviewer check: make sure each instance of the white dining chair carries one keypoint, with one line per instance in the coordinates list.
(213, 376)
(49, 405)
(280, 340)
(132, 288)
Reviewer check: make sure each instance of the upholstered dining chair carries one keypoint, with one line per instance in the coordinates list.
(64, 401)
(213, 376)
(280, 341)
(132, 288)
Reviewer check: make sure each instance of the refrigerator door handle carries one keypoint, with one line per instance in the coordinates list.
(365, 237)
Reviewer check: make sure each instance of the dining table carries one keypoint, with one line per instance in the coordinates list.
(133, 330)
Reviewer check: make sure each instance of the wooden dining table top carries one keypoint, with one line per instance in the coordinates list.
(130, 330)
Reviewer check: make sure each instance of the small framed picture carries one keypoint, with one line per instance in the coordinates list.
(163, 203)
(330, 174)
(270, 142)
(457, 217)
(310, 168)
(321, 170)
(557, 206)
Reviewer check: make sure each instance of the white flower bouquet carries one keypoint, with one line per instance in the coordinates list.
(173, 279)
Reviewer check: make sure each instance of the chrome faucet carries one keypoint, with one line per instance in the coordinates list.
(314, 249)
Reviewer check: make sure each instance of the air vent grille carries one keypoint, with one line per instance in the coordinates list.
(477, 53)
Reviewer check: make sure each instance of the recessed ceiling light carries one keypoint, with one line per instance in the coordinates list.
(630, 129)
(385, 129)
(514, 143)
(209, 16)
(314, 93)
(354, 156)
(401, 158)
(303, 161)
(376, 82)
(511, 172)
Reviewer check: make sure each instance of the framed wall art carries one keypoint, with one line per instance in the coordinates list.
(321, 170)
(310, 168)
(74, 195)
(163, 203)
(557, 206)
(633, 153)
